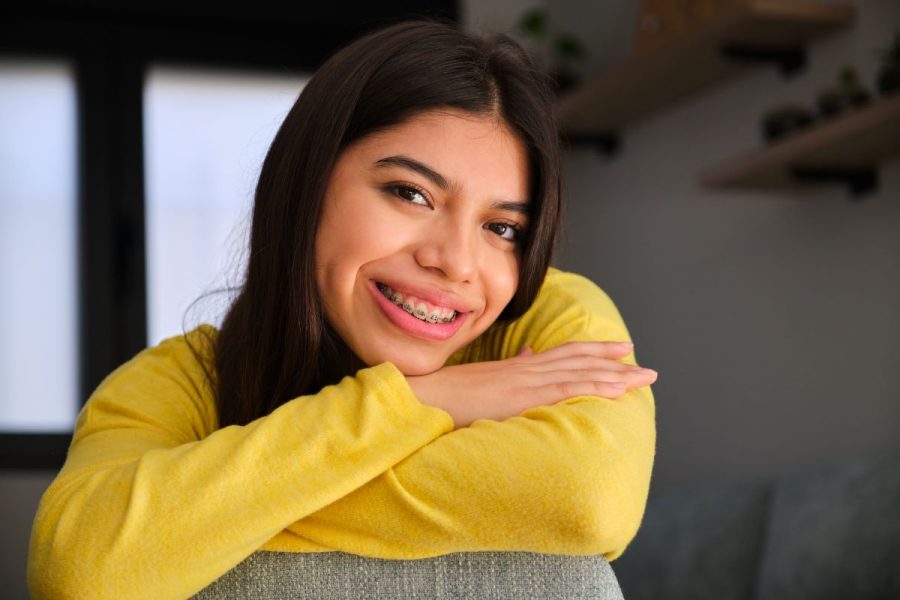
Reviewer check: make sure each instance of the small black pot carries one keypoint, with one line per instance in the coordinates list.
(837, 101)
(563, 80)
(889, 78)
(781, 122)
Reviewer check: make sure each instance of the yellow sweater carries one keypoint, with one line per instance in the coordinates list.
(156, 501)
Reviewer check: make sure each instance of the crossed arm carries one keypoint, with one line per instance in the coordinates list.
(154, 502)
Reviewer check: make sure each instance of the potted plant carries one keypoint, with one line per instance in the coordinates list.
(784, 120)
(555, 53)
(568, 51)
(888, 78)
(846, 94)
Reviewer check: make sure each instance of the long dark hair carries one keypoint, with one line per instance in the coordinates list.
(274, 343)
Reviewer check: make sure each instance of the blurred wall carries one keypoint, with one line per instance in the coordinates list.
(20, 492)
(771, 318)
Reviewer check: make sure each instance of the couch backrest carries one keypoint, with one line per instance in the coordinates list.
(482, 575)
(698, 542)
(834, 533)
(828, 533)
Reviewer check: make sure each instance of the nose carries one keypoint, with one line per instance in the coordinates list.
(452, 250)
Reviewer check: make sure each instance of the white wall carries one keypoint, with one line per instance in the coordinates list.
(772, 318)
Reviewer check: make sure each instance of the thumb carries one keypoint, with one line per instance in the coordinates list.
(526, 351)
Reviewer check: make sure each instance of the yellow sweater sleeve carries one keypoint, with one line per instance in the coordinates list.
(571, 478)
(154, 502)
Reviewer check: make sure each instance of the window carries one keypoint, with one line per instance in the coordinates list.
(85, 281)
(38, 247)
(206, 134)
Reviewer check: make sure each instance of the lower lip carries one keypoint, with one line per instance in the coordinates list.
(412, 325)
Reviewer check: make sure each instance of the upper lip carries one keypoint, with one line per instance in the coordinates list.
(431, 295)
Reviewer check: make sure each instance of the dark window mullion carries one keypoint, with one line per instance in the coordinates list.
(112, 239)
(127, 92)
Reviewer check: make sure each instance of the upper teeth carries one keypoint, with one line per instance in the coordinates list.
(418, 308)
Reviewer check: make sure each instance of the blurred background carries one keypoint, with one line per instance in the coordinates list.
(731, 177)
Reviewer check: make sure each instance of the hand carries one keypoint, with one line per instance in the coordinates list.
(505, 388)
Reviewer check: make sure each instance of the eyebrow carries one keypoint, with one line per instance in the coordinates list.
(440, 181)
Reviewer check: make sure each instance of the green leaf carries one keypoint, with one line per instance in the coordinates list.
(534, 23)
(569, 46)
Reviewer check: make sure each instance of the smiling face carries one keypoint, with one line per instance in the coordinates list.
(417, 250)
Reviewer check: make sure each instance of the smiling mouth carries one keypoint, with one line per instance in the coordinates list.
(416, 307)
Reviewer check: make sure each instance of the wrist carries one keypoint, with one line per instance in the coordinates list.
(425, 391)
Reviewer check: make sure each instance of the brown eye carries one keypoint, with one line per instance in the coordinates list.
(410, 194)
(506, 231)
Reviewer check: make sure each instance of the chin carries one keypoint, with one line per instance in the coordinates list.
(413, 365)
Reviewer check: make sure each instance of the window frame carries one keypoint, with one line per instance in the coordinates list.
(111, 51)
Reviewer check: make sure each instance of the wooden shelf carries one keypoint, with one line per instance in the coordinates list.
(690, 62)
(850, 145)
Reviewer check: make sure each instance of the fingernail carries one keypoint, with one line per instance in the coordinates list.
(626, 344)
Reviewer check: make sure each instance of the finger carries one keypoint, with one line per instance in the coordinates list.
(570, 389)
(633, 378)
(630, 379)
(639, 378)
(526, 351)
(636, 378)
(578, 362)
(598, 349)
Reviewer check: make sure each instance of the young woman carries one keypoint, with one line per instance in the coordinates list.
(402, 375)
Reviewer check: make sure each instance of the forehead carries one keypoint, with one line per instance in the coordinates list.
(465, 148)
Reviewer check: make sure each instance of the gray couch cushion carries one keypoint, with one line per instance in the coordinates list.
(489, 575)
(697, 543)
(835, 533)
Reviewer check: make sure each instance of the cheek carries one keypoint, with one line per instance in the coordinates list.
(357, 230)
(503, 282)
(334, 259)
(342, 232)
